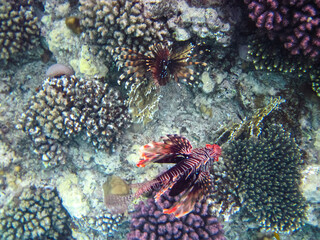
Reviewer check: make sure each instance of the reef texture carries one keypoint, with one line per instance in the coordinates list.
(148, 222)
(143, 101)
(266, 55)
(66, 107)
(214, 23)
(105, 223)
(119, 23)
(295, 23)
(18, 27)
(266, 176)
(136, 24)
(35, 214)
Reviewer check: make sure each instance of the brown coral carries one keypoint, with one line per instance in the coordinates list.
(18, 27)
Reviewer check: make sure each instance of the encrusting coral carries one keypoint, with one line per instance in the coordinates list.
(265, 174)
(69, 106)
(35, 214)
(18, 27)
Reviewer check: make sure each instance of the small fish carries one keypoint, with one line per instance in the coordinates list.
(189, 176)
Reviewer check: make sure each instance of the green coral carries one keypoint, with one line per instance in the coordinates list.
(265, 174)
(266, 56)
(36, 214)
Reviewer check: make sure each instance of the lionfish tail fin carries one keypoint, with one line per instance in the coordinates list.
(190, 198)
(166, 151)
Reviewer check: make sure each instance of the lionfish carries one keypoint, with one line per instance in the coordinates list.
(163, 63)
(189, 176)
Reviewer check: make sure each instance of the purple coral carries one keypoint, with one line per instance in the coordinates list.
(148, 222)
(295, 22)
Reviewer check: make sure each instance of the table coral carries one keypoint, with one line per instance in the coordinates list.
(36, 214)
(148, 222)
(266, 176)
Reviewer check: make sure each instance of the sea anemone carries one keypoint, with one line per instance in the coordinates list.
(161, 64)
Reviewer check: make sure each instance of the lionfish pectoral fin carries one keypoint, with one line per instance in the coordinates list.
(184, 206)
(189, 199)
(171, 150)
(146, 187)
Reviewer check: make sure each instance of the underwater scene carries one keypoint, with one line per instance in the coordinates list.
(160, 119)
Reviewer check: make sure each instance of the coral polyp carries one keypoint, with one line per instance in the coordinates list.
(163, 63)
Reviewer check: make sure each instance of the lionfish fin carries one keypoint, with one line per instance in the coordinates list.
(146, 187)
(193, 195)
(171, 150)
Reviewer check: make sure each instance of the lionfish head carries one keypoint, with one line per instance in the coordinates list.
(214, 151)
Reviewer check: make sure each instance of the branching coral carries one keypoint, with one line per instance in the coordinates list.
(295, 23)
(69, 106)
(105, 224)
(36, 214)
(119, 23)
(265, 173)
(18, 27)
(148, 222)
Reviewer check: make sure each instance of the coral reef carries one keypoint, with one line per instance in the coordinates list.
(119, 23)
(18, 27)
(143, 100)
(266, 176)
(105, 223)
(148, 222)
(35, 214)
(294, 23)
(204, 23)
(248, 127)
(67, 106)
(315, 79)
(267, 55)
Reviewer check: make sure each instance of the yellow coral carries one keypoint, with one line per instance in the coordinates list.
(116, 186)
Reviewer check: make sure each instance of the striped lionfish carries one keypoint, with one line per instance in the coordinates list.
(190, 176)
(163, 62)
